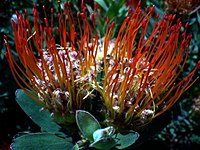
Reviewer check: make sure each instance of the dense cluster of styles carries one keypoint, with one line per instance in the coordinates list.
(134, 74)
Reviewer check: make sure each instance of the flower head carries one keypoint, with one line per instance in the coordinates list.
(135, 74)
(181, 6)
(60, 74)
(140, 77)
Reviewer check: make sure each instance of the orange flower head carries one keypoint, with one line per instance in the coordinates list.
(141, 70)
(60, 74)
(135, 73)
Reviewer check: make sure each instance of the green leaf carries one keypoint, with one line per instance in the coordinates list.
(103, 133)
(198, 17)
(104, 143)
(42, 141)
(102, 4)
(33, 110)
(113, 10)
(126, 140)
(87, 123)
(76, 147)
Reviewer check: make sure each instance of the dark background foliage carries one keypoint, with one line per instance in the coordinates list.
(181, 126)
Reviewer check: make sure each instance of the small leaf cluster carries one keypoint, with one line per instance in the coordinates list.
(91, 133)
(101, 138)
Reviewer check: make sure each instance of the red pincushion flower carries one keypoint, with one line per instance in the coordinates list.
(135, 73)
